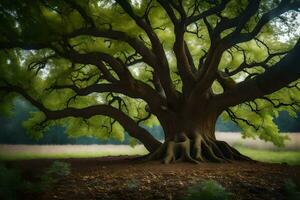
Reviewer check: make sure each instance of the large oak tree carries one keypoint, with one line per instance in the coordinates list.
(99, 67)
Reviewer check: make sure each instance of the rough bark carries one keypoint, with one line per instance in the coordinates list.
(190, 136)
(196, 145)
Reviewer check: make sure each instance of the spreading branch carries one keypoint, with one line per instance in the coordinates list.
(129, 124)
(285, 71)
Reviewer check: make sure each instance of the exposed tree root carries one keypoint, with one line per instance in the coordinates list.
(196, 151)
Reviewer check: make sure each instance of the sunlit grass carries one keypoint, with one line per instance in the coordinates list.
(271, 156)
(31, 156)
(21, 152)
(28, 152)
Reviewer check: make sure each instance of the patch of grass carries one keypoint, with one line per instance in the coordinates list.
(208, 190)
(53, 174)
(133, 184)
(272, 156)
(289, 157)
(10, 183)
(291, 191)
(62, 155)
(114, 150)
(13, 185)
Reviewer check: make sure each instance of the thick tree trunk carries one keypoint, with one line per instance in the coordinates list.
(195, 141)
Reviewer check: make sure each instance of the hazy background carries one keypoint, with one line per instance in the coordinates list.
(12, 132)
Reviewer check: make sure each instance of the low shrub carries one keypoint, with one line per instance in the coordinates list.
(291, 191)
(133, 184)
(10, 183)
(206, 190)
(54, 173)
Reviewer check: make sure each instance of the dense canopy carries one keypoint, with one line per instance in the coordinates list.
(99, 67)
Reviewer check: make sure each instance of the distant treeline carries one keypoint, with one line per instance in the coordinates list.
(12, 132)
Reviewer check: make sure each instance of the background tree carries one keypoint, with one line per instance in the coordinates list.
(98, 67)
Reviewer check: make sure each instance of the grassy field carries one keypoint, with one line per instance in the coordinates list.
(272, 156)
(256, 149)
(26, 152)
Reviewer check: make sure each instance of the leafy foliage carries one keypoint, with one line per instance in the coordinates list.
(49, 74)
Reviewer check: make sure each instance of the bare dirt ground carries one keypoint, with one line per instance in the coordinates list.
(122, 178)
